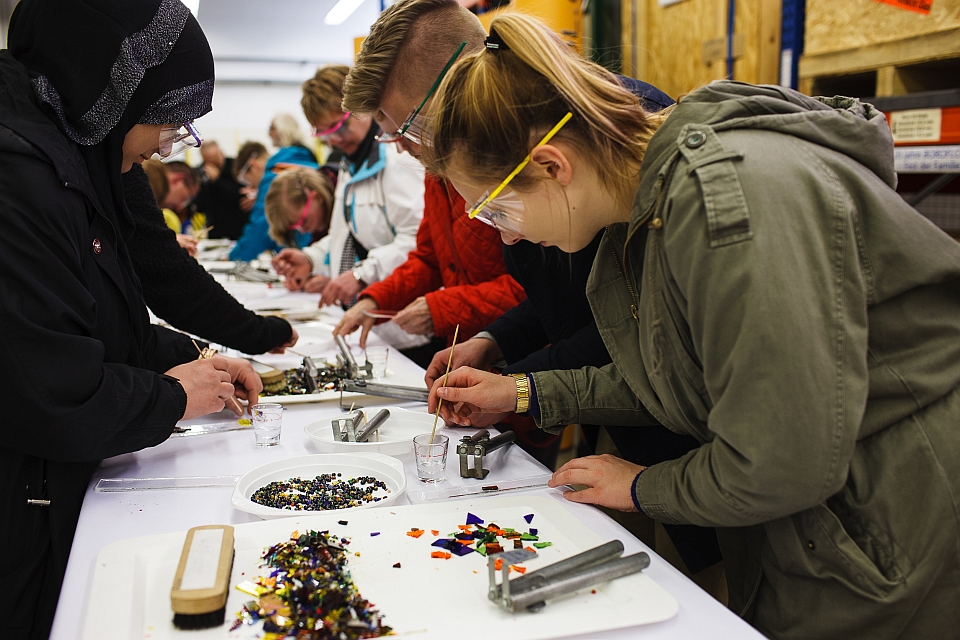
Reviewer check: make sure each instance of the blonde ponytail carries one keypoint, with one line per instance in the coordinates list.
(494, 105)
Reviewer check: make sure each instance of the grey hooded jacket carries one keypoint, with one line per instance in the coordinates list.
(774, 297)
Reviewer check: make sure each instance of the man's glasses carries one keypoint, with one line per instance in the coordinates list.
(176, 140)
(245, 169)
(502, 208)
(413, 127)
(335, 130)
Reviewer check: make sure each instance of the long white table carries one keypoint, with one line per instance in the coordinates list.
(110, 517)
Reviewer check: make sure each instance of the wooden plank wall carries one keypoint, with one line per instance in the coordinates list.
(668, 42)
(851, 24)
(563, 16)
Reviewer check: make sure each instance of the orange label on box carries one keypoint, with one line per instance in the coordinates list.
(920, 6)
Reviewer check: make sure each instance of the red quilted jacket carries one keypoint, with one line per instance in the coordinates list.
(457, 265)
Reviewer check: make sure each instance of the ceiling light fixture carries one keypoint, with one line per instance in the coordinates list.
(341, 11)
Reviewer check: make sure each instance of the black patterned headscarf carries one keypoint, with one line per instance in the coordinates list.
(102, 66)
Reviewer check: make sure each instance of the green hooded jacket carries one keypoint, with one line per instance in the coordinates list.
(774, 297)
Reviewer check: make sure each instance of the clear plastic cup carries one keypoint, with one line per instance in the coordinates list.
(377, 357)
(267, 420)
(431, 458)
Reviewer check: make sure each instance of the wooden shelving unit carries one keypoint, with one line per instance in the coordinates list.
(865, 48)
(908, 65)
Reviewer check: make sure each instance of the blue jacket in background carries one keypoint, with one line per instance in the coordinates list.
(256, 235)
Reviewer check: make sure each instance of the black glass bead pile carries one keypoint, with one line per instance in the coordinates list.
(322, 493)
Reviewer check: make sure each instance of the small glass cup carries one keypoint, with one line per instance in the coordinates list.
(267, 420)
(377, 357)
(431, 458)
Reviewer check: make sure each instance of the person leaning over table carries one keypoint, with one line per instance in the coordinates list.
(221, 197)
(377, 206)
(299, 200)
(181, 292)
(249, 168)
(156, 173)
(86, 375)
(795, 315)
(456, 275)
(553, 327)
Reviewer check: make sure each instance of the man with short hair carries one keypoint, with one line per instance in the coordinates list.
(456, 275)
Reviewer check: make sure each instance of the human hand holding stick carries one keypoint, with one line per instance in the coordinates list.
(471, 394)
(206, 354)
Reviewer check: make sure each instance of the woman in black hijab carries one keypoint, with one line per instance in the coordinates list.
(86, 89)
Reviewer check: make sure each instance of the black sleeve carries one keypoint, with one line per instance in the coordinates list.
(519, 332)
(71, 395)
(651, 98)
(181, 291)
(584, 348)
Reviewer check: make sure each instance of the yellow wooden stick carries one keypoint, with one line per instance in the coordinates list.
(206, 357)
(456, 332)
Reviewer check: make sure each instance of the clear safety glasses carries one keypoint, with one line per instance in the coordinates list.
(502, 208)
(336, 130)
(176, 140)
(413, 127)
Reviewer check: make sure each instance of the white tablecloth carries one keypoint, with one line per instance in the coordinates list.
(109, 517)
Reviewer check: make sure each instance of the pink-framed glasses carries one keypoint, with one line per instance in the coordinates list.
(303, 217)
(335, 129)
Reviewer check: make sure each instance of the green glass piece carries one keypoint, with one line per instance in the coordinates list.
(542, 545)
(529, 536)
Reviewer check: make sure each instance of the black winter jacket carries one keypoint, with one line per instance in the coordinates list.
(80, 360)
(181, 291)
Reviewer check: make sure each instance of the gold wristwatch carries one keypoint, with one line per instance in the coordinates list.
(523, 391)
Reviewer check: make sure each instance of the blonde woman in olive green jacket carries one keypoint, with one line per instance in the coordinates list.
(767, 292)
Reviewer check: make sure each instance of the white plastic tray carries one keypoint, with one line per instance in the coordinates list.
(385, 468)
(396, 434)
(426, 599)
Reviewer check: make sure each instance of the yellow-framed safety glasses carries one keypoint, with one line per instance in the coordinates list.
(502, 207)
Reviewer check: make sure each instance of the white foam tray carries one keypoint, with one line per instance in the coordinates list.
(426, 599)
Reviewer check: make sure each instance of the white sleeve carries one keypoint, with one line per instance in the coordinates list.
(403, 188)
(319, 254)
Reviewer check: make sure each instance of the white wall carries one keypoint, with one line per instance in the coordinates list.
(263, 51)
(243, 111)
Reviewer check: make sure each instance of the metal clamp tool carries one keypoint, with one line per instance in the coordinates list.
(347, 361)
(352, 429)
(479, 445)
(309, 373)
(383, 390)
(358, 379)
(531, 590)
